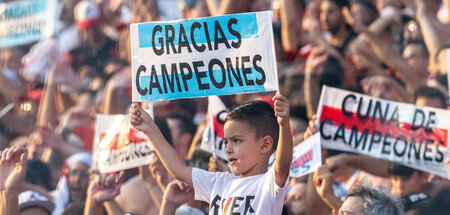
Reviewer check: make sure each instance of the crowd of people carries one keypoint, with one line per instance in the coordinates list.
(52, 90)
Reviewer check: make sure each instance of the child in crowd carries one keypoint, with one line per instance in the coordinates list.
(251, 134)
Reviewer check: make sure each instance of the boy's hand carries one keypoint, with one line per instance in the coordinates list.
(140, 119)
(281, 109)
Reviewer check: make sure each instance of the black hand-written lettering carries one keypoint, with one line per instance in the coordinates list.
(413, 146)
(201, 48)
(230, 70)
(235, 33)
(262, 80)
(170, 80)
(246, 71)
(157, 51)
(376, 138)
(185, 76)
(154, 82)
(431, 121)
(344, 102)
(183, 41)
(386, 148)
(439, 154)
(199, 75)
(398, 140)
(428, 150)
(170, 39)
(340, 133)
(414, 125)
(208, 40)
(378, 111)
(218, 85)
(360, 104)
(321, 129)
(138, 80)
(222, 39)
(357, 141)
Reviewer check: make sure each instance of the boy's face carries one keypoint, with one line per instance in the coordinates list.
(244, 150)
(402, 185)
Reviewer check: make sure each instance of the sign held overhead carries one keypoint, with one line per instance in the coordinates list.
(201, 57)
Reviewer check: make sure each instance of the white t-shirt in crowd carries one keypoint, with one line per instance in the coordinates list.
(229, 194)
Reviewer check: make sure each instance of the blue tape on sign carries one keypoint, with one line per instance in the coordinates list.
(246, 25)
(193, 86)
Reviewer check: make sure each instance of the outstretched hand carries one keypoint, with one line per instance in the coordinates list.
(105, 187)
(281, 109)
(13, 166)
(140, 119)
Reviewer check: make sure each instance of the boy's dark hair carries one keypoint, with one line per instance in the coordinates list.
(400, 170)
(260, 116)
(430, 93)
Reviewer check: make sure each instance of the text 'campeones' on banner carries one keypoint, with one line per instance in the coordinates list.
(201, 57)
(26, 21)
(404, 133)
(117, 146)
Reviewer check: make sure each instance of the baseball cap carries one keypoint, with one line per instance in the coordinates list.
(87, 13)
(30, 199)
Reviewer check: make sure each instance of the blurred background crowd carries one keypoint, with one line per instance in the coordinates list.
(52, 90)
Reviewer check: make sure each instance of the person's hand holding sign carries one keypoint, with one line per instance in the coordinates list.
(281, 109)
(140, 119)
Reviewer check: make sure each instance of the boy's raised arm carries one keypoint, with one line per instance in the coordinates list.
(176, 166)
(285, 142)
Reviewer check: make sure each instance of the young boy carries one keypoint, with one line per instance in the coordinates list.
(251, 133)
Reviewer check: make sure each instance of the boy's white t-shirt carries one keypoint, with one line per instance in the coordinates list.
(229, 194)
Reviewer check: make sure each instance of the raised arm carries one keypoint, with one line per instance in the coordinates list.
(323, 181)
(103, 188)
(291, 24)
(313, 69)
(389, 56)
(224, 7)
(13, 167)
(435, 34)
(176, 166)
(285, 141)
